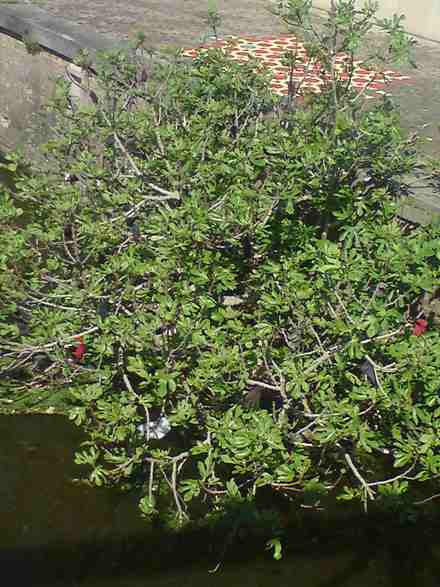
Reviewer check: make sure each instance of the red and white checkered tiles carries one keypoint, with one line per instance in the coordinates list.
(306, 75)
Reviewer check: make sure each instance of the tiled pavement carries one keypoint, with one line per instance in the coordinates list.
(307, 75)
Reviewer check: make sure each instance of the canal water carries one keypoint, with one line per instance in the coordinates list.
(56, 532)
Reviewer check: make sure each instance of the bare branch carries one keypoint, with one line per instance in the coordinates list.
(150, 482)
(423, 501)
(129, 386)
(366, 487)
(396, 478)
(22, 348)
(263, 385)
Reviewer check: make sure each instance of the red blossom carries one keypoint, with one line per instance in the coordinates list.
(420, 327)
(79, 351)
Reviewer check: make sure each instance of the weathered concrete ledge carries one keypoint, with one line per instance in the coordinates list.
(36, 48)
(56, 36)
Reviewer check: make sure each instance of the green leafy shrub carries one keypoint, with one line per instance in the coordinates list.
(195, 252)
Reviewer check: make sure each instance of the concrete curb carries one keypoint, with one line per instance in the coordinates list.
(420, 202)
(60, 37)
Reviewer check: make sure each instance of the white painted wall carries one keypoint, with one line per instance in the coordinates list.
(422, 16)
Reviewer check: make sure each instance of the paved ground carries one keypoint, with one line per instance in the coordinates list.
(183, 23)
(307, 74)
(178, 22)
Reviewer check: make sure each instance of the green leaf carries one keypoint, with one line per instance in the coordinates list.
(275, 545)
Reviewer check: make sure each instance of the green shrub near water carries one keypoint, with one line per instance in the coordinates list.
(233, 266)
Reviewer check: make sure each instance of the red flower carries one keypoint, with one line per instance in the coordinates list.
(420, 327)
(79, 351)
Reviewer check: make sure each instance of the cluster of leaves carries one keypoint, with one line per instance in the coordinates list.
(195, 251)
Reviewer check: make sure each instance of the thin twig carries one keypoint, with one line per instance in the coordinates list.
(59, 306)
(349, 318)
(22, 348)
(172, 485)
(367, 489)
(396, 478)
(150, 482)
(263, 385)
(130, 388)
(423, 501)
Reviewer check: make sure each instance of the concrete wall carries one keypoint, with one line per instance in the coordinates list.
(25, 87)
(27, 79)
(422, 17)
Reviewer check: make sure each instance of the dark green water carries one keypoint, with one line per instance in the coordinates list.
(56, 532)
